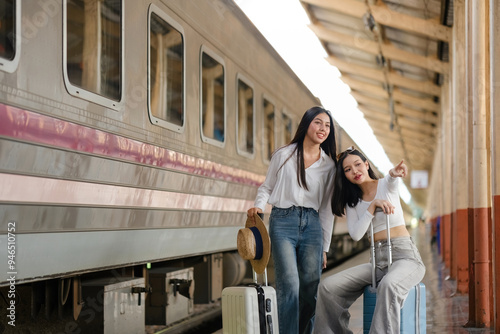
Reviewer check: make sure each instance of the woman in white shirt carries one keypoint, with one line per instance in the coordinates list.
(357, 194)
(299, 186)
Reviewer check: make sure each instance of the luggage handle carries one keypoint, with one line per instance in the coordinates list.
(372, 243)
(255, 276)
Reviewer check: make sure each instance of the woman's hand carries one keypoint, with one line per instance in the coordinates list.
(324, 260)
(386, 206)
(400, 170)
(251, 212)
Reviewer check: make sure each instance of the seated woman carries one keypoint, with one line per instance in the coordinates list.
(357, 193)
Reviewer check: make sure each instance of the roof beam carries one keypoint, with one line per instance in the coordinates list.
(427, 87)
(423, 127)
(386, 119)
(429, 28)
(425, 144)
(388, 50)
(390, 149)
(364, 86)
(385, 16)
(416, 162)
(418, 102)
(375, 115)
(410, 150)
(345, 66)
(381, 135)
(388, 141)
(417, 135)
(377, 124)
(366, 100)
(389, 146)
(416, 153)
(401, 119)
(419, 4)
(416, 114)
(405, 132)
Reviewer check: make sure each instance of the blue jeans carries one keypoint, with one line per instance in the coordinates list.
(297, 249)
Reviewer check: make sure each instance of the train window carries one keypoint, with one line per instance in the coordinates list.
(269, 144)
(213, 105)
(9, 30)
(166, 71)
(286, 129)
(93, 50)
(245, 118)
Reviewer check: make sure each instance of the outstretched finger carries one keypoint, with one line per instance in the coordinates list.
(404, 170)
(401, 169)
(402, 162)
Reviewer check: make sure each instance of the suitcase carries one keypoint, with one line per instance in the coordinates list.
(250, 309)
(413, 317)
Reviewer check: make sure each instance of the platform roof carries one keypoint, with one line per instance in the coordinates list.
(393, 54)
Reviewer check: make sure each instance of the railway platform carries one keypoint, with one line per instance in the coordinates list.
(447, 312)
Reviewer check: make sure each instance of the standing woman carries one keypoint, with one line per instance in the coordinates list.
(357, 194)
(299, 186)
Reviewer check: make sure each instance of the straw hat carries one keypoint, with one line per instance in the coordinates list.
(254, 244)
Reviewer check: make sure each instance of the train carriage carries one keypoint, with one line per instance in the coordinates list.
(133, 132)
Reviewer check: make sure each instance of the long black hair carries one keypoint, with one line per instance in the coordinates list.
(345, 192)
(328, 145)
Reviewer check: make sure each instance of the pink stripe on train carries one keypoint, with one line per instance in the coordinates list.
(41, 129)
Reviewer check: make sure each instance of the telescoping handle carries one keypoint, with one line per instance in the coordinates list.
(372, 242)
(389, 246)
(255, 276)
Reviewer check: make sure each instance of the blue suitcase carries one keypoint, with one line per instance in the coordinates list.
(413, 317)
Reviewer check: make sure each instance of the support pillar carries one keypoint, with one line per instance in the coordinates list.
(460, 152)
(446, 152)
(495, 150)
(480, 165)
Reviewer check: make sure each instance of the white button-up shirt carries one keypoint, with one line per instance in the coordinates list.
(281, 188)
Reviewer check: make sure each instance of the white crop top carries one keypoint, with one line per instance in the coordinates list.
(358, 218)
